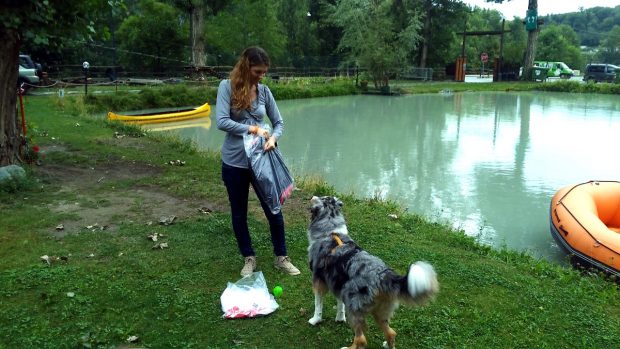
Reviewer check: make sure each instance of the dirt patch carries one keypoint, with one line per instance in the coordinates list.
(89, 207)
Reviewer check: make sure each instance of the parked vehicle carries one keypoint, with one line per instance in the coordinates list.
(599, 72)
(27, 62)
(27, 76)
(556, 69)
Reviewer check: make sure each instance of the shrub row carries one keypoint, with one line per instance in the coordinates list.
(579, 87)
(183, 95)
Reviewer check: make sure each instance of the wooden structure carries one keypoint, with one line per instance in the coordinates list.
(497, 67)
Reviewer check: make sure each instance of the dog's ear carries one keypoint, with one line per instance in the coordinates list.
(339, 203)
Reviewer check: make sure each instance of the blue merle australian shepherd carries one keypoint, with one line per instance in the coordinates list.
(362, 283)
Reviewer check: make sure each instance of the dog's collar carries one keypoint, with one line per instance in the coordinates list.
(338, 241)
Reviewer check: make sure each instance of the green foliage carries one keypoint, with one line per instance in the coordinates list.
(312, 87)
(302, 33)
(371, 37)
(166, 97)
(592, 25)
(578, 87)
(246, 23)
(442, 19)
(153, 39)
(13, 185)
(483, 20)
(515, 44)
(184, 96)
(559, 44)
(38, 21)
(609, 51)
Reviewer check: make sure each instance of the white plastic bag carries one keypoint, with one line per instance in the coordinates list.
(248, 297)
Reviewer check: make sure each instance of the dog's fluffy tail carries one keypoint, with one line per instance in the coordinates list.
(421, 284)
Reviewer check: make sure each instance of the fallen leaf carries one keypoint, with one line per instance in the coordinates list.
(155, 236)
(176, 163)
(167, 220)
(46, 259)
(60, 227)
(132, 339)
(205, 210)
(160, 245)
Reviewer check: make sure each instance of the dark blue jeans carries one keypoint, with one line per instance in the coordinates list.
(237, 181)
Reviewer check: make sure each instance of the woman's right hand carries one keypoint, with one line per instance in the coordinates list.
(259, 131)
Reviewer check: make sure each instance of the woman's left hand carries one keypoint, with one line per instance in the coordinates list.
(270, 144)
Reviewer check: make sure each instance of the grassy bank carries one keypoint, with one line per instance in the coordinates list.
(109, 186)
(102, 99)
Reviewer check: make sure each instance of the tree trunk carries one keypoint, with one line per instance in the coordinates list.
(530, 51)
(427, 37)
(9, 69)
(197, 25)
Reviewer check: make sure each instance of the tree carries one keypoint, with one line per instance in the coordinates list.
(609, 51)
(532, 37)
(245, 23)
(197, 10)
(515, 44)
(297, 21)
(370, 37)
(559, 43)
(152, 39)
(482, 20)
(37, 22)
(442, 18)
(328, 34)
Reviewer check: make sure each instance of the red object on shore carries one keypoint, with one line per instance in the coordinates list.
(20, 92)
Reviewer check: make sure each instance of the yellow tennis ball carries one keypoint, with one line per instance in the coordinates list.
(277, 291)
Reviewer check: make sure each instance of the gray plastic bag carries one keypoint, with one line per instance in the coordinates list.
(273, 180)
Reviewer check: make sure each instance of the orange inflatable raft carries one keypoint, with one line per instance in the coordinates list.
(585, 221)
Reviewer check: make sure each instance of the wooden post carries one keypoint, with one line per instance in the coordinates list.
(501, 52)
(459, 74)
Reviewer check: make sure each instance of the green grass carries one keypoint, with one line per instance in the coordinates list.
(170, 298)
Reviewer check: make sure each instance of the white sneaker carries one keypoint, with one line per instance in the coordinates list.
(284, 263)
(249, 267)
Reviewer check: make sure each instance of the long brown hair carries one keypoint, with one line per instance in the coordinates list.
(240, 76)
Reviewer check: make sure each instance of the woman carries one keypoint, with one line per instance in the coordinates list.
(242, 104)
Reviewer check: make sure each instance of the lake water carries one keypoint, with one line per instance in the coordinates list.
(486, 163)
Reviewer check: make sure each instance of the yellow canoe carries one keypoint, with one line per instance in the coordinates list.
(178, 115)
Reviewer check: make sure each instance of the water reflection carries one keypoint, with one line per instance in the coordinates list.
(487, 163)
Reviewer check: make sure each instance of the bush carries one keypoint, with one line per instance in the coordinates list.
(578, 87)
(185, 96)
(166, 97)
